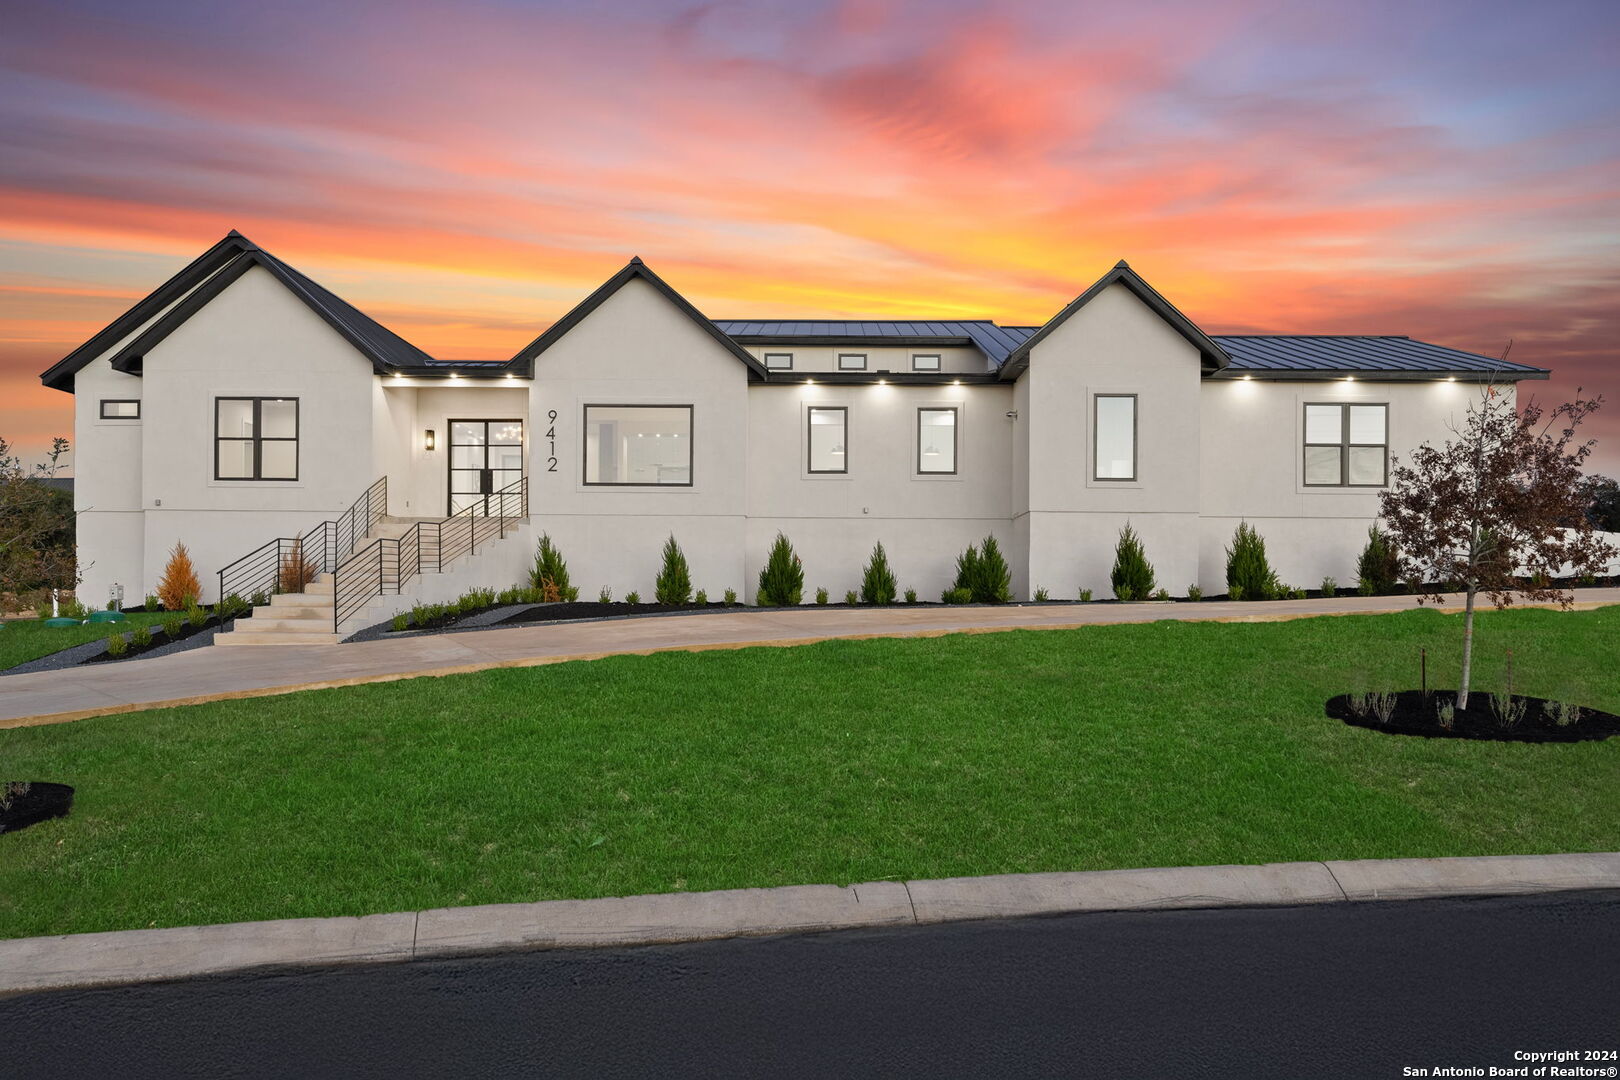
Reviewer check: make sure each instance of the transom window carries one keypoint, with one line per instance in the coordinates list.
(829, 439)
(638, 445)
(1346, 445)
(779, 361)
(1114, 437)
(925, 362)
(936, 440)
(120, 410)
(851, 361)
(255, 438)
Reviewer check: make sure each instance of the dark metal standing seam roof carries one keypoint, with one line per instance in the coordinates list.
(380, 341)
(996, 342)
(1311, 352)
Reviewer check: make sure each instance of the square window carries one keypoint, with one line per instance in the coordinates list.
(936, 440)
(1324, 423)
(255, 438)
(1366, 466)
(1322, 464)
(1346, 445)
(829, 435)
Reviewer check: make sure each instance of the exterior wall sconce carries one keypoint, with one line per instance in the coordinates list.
(428, 441)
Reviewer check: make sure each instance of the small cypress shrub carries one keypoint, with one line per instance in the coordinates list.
(1085, 596)
(1378, 570)
(822, 596)
(781, 579)
(1330, 588)
(605, 596)
(701, 597)
(140, 637)
(1194, 593)
(1133, 574)
(179, 587)
(400, 621)
(967, 570)
(550, 570)
(852, 598)
(674, 585)
(877, 582)
(1247, 567)
(196, 616)
(174, 625)
(956, 596)
(632, 597)
(731, 596)
(983, 573)
(152, 602)
(1040, 594)
(116, 645)
(911, 596)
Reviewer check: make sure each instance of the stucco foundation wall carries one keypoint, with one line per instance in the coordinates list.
(214, 538)
(834, 551)
(111, 551)
(1074, 551)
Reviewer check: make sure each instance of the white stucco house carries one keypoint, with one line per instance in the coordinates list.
(241, 403)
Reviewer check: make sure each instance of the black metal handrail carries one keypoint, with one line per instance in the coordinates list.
(288, 563)
(387, 565)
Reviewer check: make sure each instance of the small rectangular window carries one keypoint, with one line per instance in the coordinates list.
(120, 410)
(1346, 445)
(925, 362)
(936, 440)
(829, 439)
(852, 361)
(255, 438)
(638, 445)
(1114, 437)
(779, 361)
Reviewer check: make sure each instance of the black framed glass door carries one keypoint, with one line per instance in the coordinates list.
(485, 456)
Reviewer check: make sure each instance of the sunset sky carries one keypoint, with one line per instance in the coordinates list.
(465, 173)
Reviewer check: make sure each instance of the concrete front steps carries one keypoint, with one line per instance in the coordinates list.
(290, 619)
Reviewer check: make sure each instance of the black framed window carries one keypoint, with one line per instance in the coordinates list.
(1113, 437)
(851, 361)
(936, 441)
(255, 438)
(120, 409)
(779, 361)
(925, 361)
(829, 439)
(638, 445)
(1346, 444)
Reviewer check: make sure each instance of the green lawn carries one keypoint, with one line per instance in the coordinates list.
(23, 640)
(1150, 745)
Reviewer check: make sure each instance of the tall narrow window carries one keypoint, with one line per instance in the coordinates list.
(255, 438)
(851, 361)
(1346, 445)
(1114, 437)
(936, 440)
(829, 440)
(639, 445)
(779, 361)
(925, 361)
(120, 410)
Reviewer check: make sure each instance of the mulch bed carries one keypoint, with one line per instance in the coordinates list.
(40, 802)
(1417, 713)
(595, 609)
(160, 639)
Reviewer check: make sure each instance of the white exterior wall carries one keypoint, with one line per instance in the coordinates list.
(638, 348)
(107, 486)
(1115, 344)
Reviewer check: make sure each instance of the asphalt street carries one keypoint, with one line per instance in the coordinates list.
(1337, 990)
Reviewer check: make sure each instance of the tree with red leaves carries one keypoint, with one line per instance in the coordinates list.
(1499, 510)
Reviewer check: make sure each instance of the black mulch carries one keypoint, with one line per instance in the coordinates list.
(1417, 713)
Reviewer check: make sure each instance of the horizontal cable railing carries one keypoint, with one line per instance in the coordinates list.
(288, 563)
(387, 565)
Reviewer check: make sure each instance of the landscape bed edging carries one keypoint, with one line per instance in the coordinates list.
(130, 956)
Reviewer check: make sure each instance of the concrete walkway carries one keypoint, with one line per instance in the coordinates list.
(212, 674)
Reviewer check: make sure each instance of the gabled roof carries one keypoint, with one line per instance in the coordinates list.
(60, 375)
(996, 342)
(1214, 357)
(635, 268)
(1282, 355)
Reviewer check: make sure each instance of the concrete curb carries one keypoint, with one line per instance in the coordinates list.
(130, 956)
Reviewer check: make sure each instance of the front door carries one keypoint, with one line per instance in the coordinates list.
(485, 456)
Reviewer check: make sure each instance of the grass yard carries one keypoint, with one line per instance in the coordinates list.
(22, 640)
(1150, 745)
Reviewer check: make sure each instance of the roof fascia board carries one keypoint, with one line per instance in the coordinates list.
(874, 378)
(59, 375)
(1212, 355)
(1370, 376)
(940, 342)
(635, 268)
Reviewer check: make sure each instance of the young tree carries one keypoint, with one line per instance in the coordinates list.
(1499, 509)
(1132, 576)
(550, 572)
(781, 579)
(36, 524)
(674, 584)
(179, 587)
(877, 581)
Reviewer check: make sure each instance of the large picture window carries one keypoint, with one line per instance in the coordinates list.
(638, 445)
(936, 440)
(1113, 437)
(829, 439)
(1346, 445)
(255, 438)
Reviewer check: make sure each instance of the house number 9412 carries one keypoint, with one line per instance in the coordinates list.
(551, 440)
